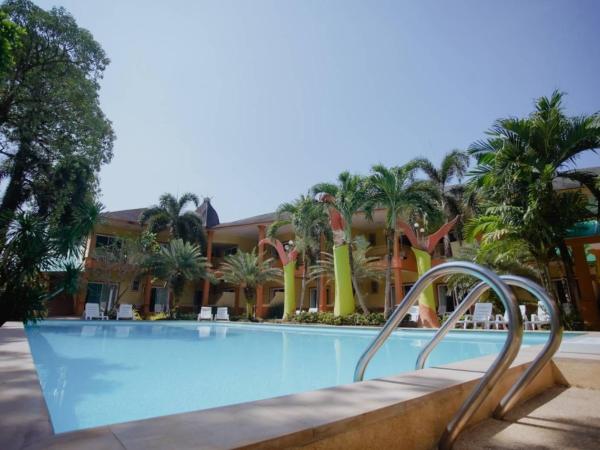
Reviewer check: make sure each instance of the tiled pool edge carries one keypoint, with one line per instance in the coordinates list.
(318, 418)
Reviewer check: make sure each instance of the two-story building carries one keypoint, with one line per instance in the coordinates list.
(225, 238)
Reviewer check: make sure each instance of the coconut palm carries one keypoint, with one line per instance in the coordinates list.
(516, 168)
(349, 196)
(366, 267)
(309, 220)
(177, 263)
(453, 167)
(245, 270)
(396, 190)
(169, 215)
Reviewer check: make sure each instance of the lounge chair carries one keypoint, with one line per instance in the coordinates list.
(205, 313)
(222, 314)
(482, 315)
(125, 312)
(413, 313)
(541, 318)
(313, 310)
(92, 311)
(502, 320)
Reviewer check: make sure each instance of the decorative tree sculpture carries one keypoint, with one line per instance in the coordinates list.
(288, 260)
(423, 249)
(344, 299)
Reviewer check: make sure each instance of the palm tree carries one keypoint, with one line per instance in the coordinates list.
(309, 220)
(168, 215)
(454, 166)
(516, 168)
(365, 267)
(349, 196)
(245, 270)
(178, 263)
(395, 190)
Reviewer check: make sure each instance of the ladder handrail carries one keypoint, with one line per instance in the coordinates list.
(556, 330)
(498, 367)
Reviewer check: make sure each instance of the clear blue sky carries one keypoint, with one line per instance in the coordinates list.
(251, 102)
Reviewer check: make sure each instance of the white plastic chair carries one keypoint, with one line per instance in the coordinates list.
(92, 311)
(222, 314)
(313, 310)
(413, 313)
(502, 320)
(539, 319)
(205, 313)
(482, 315)
(125, 312)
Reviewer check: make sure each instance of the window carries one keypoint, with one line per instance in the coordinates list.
(135, 284)
(374, 287)
(103, 241)
(104, 294)
(373, 239)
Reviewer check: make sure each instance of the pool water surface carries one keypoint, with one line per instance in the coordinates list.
(99, 373)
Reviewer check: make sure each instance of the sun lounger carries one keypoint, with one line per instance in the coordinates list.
(539, 319)
(502, 320)
(313, 310)
(92, 311)
(413, 313)
(222, 314)
(481, 316)
(125, 312)
(205, 313)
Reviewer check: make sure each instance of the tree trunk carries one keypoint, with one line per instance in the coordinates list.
(447, 246)
(303, 283)
(15, 193)
(249, 293)
(388, 274)
(359, 296)
(567, 262)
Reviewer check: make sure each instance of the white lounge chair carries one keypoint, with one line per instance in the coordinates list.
(313, 310)
(92, 311)
(125, 312)
(222, 314)
(413, 313)
(502, 320)
(541, 318)
(482, 315)
(205, 313)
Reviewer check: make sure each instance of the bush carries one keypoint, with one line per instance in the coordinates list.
(328, 318)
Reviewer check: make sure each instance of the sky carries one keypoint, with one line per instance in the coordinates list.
(251, 102)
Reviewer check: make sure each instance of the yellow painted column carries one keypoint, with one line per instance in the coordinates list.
(427, 307)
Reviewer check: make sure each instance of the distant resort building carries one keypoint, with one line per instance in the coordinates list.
(226, 238)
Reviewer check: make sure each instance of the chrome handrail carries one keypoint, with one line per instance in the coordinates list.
(500, 364)
(556, 330)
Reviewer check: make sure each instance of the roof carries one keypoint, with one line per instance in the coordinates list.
(128, 215)
(565, 183)
(208, 214)
(261, 218)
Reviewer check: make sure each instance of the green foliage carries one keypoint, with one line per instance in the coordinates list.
(169, 215)
(10, 41)
(245, 270)
(328, 318)
(178, 263)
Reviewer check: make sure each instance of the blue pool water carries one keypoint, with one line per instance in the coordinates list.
(95, 373)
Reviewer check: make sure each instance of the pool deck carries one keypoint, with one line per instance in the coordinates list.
(341, 416)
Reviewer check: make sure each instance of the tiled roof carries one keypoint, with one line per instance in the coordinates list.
(129, 215)
(261, 218)
(565, 183)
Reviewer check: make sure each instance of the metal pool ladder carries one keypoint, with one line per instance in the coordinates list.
(504, 358)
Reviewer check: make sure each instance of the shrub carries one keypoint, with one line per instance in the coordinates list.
(328, 318)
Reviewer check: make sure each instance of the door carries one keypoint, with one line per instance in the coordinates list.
(313, 298)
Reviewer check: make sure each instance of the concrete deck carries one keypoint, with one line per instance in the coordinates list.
(360, 415)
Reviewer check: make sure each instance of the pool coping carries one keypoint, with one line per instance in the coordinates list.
(285, 420)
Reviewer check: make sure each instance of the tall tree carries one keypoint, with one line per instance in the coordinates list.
(396, 190)
(309, 220)
(245, 270)
(347, 197)
(516, 168)
(453, 167)
(50, 117)
(169, 215)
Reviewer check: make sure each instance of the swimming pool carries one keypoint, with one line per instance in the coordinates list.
(99, 373)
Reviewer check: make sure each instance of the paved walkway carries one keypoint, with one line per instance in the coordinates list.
(559, 418)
